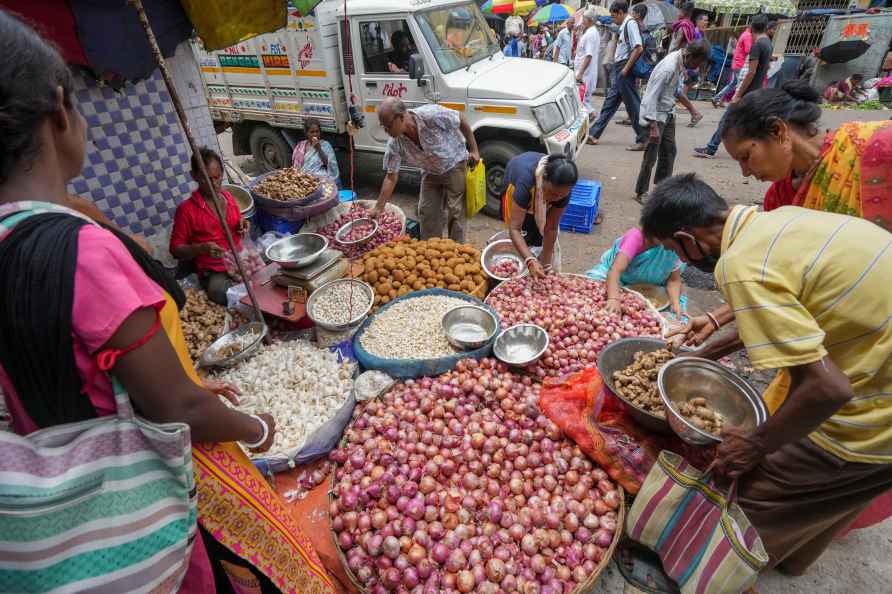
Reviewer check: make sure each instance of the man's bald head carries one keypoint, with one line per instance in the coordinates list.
(392, 116)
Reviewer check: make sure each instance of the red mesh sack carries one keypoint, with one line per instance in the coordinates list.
(575, 403)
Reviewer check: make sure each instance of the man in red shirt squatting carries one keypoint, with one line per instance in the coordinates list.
(197, 234)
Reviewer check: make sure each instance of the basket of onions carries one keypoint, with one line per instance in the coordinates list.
(458, 484)
(572, 309)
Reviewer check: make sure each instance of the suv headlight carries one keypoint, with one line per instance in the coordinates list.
(549, 117)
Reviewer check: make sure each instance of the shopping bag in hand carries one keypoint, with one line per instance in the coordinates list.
(475, 188)
(706, 543)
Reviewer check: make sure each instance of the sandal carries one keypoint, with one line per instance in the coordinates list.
(643, 569)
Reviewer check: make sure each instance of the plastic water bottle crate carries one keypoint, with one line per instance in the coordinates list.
(579, 217)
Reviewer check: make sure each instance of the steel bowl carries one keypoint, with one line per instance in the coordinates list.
(297, 251)
(469, 327)
(521, 344)
(216, 356)
(497, 251)
(243, 198)
(618, 355)
(365, 299)
(726, 392)
(346, 227)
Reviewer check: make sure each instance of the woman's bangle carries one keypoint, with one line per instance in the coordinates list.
(713, 319)
(526, 261)
(263, 437)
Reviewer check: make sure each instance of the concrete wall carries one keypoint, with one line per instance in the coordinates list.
(880, 31)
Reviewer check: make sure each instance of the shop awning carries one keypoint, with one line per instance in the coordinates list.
(779, 7)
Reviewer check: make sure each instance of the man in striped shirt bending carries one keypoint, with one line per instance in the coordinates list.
(811, 297)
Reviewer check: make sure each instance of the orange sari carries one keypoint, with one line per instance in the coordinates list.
(241, 510)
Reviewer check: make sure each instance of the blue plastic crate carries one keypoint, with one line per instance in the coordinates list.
(580, 214)
(346, 195)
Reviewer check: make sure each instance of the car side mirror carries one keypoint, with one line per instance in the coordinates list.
(416, 67)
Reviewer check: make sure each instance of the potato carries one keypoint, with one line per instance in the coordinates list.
(451, 279)
(399, 275)
(391, 293)
(454, 287)
(460, 270)
(371, 277)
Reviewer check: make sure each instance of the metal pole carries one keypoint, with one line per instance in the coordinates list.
(181, 114)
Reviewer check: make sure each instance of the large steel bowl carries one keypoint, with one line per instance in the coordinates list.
(617, 356)
(497, 251)
(364, 295)
(469, 327)
(297, 251)
(347, 227)
(216, 354)
(521, 344)
(726, 392)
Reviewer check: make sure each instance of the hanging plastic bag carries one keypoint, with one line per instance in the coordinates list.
(251, 260)
(574, 404)
(475, 188)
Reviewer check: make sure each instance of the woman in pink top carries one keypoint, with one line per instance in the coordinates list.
(741, 53)
(76, 293)
(636, 259)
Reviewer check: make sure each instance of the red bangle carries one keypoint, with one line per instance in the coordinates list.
(714, 321)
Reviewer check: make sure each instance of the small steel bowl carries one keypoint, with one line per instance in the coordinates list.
(214, 355)
(469, 327)
(497, 251)
(297, 251)
(243, 198)
(726, 392)
(346, 227)
(521, 344)
(365, 299)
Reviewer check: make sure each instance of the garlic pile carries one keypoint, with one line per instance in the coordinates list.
(300, 385)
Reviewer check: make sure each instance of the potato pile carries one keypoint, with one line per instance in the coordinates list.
(288, 184)
(400, 267)
(702, 416)
(202, 321)
(637, 383)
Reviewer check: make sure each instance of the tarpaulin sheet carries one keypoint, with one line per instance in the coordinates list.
(222, 23)
(53, 20)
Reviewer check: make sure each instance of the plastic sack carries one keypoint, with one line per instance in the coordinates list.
(267, 239)
(475, 188)
(574, 404)
(411, 368)
(250, 257)
(318, 444)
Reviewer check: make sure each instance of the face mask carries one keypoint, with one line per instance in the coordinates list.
(705, 264)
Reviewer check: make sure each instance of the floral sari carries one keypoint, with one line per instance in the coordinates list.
(242, 511)
(854, 174)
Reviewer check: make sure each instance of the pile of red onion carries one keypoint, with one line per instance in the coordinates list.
(457, 484)
(389, 228)
(572, 310)
(506, 268)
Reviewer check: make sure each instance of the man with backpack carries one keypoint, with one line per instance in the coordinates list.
(623, 87)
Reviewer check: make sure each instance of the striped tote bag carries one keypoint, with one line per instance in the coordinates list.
(105, 505)
(706, 543)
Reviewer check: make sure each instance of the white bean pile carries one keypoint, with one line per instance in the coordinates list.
(341, 303)
(411, 329)
(300, 385)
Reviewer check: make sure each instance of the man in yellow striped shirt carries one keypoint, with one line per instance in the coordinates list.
(810, 292)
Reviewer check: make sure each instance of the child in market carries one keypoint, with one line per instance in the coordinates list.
(636, 259)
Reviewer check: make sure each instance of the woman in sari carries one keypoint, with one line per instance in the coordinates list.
(314, 155)
(82, 302)
(774, 135)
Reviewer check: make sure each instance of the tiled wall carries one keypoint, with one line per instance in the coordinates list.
(137, 164)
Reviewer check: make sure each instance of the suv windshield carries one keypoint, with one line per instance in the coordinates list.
(458, 35)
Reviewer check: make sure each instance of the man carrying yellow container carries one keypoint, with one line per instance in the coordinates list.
(440, 142)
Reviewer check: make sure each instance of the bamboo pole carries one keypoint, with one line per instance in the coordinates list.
(203, 172)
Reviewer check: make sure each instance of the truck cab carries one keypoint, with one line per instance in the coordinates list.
(421, 51)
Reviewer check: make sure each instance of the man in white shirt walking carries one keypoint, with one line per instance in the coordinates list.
(586, 62)
(622, 88)
(657, 113)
